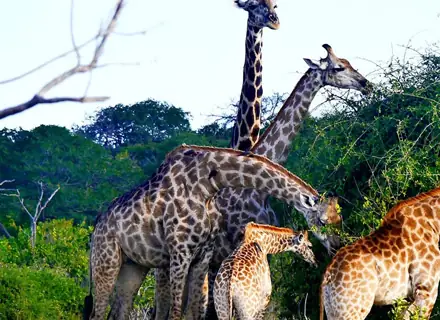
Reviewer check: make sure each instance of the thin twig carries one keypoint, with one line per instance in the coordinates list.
(40, 100)
(72, 36)
(6, 181)
(44, 64)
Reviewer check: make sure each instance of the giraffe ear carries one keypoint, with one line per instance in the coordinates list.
(311, 64)
(308, 201)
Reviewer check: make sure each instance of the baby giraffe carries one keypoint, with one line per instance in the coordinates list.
(243, 281)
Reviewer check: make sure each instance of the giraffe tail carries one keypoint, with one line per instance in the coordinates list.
(88, 300)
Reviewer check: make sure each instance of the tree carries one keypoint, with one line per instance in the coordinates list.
(89, 176)
(145, 121)
(100, 39)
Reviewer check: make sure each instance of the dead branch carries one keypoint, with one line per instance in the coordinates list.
(39, 208)
(38, 98)
(6, 181)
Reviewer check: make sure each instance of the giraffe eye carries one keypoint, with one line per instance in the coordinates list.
(275, 6)
(338, 69)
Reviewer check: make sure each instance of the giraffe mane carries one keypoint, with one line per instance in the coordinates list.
(267, 228)
(262, 159)
(408, 202)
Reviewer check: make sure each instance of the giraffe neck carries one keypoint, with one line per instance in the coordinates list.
(272, 240)
(276, 140)
(210, 169)
(247, 126)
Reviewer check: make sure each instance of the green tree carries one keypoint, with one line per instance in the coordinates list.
(88, 175)
(145, 121)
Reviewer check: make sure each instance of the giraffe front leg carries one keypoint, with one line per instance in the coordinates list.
(162, 293)
(424, 300)
(129, 281)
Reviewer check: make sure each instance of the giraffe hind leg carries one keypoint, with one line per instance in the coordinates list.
(162, 293)
(128, 283)
(105, 270)
(198, 285)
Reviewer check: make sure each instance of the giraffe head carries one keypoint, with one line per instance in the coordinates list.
(261, 13)
(322, 211)
(339, 73)
(301, 245)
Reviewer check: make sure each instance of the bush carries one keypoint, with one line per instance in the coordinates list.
(33, 293)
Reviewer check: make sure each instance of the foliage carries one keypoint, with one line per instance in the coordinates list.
(60, 244)
(38, 293)
(44, 282)
(139, 123)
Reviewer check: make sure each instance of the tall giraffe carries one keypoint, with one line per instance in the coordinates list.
(261, 14)
(169, 221)
(243, 282)
(401, 259)
(240, 206)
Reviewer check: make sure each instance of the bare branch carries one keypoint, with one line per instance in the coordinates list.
(21, 200)
(47, 202)
(40, 100)
(6, 181)
(38, 206)
(44, 64)
(4, 231)
(117, 64)
(72, 36)
(109, 30)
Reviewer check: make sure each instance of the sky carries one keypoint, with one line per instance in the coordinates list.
(193, 51)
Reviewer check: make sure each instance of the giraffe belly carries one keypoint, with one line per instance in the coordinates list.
(145, 248)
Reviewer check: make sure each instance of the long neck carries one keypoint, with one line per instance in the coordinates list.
(276, 140)
(229, 169)
(271, 241)
(247, 126)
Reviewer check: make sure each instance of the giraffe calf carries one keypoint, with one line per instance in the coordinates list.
(243, 284)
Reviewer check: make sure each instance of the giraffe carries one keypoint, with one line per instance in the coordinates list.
(168, 222)
(239, 206)
(243, 281)
(261, 14)
(401, 259)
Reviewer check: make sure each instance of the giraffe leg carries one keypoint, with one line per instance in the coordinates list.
(105, 270)
(198, 286)
(179, 268)
(210, 312)
(129, 281)
(162, 293)
(424, 300)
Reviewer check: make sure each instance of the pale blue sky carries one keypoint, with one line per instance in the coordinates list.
(193, 54)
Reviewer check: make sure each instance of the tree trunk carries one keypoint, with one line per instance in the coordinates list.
(33, 232)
